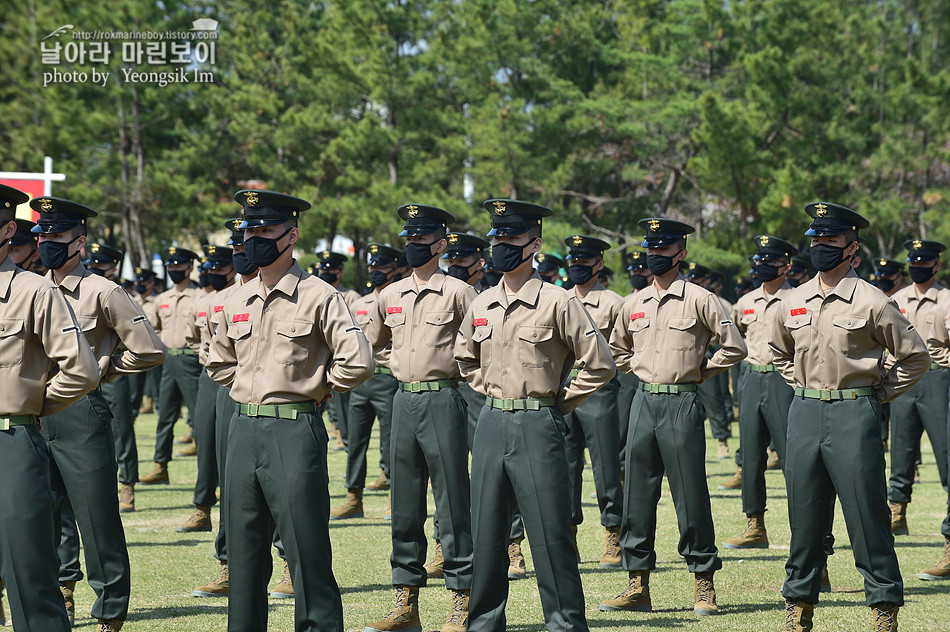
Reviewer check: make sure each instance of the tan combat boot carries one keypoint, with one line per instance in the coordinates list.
(436, 568)
(352, 506)
(825, 586)
(898, 518)
(942, 569)
(67, 589)
(798, 616)
(109, 625)
(884, 617)
(284, 589)
(517, 569)
(458, 616)
(705, 593)
(147, 407)
(404, 616)
(189, 449)
(754, 536)
(158, 475)
(380, 484)
(723, 451)
(218, 586)
(636, 598)
(127, 498)
(200, 520)
(185, 438)
(773, 463)
(611, 556)
(733, 483)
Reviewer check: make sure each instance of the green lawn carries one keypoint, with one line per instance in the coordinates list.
(166, 565)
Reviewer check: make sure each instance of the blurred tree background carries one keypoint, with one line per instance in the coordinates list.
(730, 115)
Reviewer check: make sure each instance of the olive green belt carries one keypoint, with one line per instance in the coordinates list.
(530, 403)
(280, 411)
(422, 387)
(762, 368)
(833, 395)
(574, 372)
(16, 420)
(667, 388)
(383, 370)
(934, 366)
(181, 352)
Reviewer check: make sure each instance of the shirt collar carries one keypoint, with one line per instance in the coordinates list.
(593, 297)
(844, 290)
(528, 294)
(72, 278)
(929, 295)
(435, 283)
(677, 288)
(287, 284)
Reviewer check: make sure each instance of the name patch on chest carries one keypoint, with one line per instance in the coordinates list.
(746, 312)
(240, 318)
(799, 311)
(481, 321)
(637, 315)
(202, 314)
(393, 310)
(361, 312)
(164, 306)
(218, 308)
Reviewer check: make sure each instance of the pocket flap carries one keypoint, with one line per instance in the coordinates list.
(294, 328)
(846, 321)
(481, 333)
(796, 322)
(638, 325)
(10, 327)
(87, 323)
(438, 318)
(682, 324)
(394, 320)
(533, 334)
(236, 331)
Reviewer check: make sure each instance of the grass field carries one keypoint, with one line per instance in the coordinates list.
(166, 565)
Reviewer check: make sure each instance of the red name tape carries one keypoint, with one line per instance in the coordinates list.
(637, 315)
(240, 318)
(481, 321)
(799, 311)
(218, 308)
(903, 311)
(164, 306)
(393, 310)
(202, 314)
(361, 312)
(748, 311)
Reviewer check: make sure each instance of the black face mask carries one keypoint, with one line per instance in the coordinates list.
(54, 255)
(203, 281)
(492, 278)
(329, 277)
(263, 251)
(507, 257)
(826, 257)
(885, 285)
(242, 264)
(661, 264)
(459, 272)
(177, 276)
(922, 275)
(378, 278)
(766, 273)
(218, 281)
(139, 288)
(418, 254)
(580, 274)
(638, 281)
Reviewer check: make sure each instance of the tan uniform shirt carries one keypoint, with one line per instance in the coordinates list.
(662, 339)
(602, 306)
(111, 322)
(363, 309)
(349, 295)
(45, 362)
(526, 345)
(838, 341)
(938, 337)
(290, 344)
(754, 314)
(422, 322)
(175, 318)
(922, 311)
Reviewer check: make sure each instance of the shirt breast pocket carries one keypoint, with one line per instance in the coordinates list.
(482, 337)
(397, 325)
(240, 335)
(535, 346)
(439, 330)
(292, 341)
(12, 342)
(748, 319)
(683, 333)
(640, 332)
(87, 323)
(799, 328)
(847, 337)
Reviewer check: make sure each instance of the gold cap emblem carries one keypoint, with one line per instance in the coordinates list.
(326, 254)
(540, 257)
(212, 250)
(250, 198)
(635, 255)
(499, 208)
(412, 210)
(453, 238)
(578, 240)
(373, 249)
(692, 265)
(882, 262)
(764, 240)
(94, 248)
(172, 250)
(917, 244)
(654, 225)
(47, 205)
(821, 210)
(235, 224)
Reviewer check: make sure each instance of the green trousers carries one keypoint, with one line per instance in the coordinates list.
(206, 415)
(763, 419)
(429, 440)
(118, 394)
(83, 469)
(518, 457)
(595, 424)
(372, 400)
(338, 408)
(629, 384)
(717, 406)
(179, 383)
(667, 435)
(835, 448)
(945, 527)
(28, 563)
(923, 407)
(276, 473)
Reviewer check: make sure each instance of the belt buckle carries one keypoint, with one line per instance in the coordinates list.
(854, 393)
(415, 387)
(824, 396)
(508, 404)
(253, 409)
(292, 414)
(4, 423)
